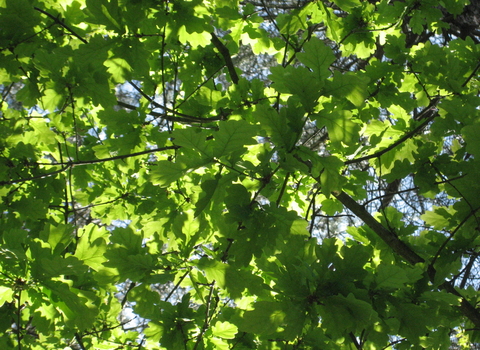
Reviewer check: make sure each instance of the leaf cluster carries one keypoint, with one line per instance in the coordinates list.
(157, 196)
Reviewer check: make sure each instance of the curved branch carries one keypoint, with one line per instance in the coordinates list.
(186, 118)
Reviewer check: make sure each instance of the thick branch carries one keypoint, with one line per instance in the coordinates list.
(386, 235)
(406, 252)
(465, 306)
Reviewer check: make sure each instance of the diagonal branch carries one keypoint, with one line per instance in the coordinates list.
(426, 115)
(59, 22)
(386, 235)
(400, 248)
(186, 118)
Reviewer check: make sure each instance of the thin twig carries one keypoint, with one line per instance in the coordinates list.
(206, 321)
(427, 118)
(19, 320)
(184, 118)
(125, 296)
(187, 118)
(282, 190)
(474, 73)
(449, 238)
(177, 285)
(42, 176)
(68, 165)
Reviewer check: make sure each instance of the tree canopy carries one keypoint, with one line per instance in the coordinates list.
(225, 174)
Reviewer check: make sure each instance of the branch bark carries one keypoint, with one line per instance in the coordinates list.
(404, 251)
(386, 235)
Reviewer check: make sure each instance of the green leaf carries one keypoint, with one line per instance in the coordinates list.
(348, 5)
(318, 57)
(299, 227)
(166, 172)
(390, 277)
(471, 133)
(92, 246)
(209, 187)
(331, 206)
(232, 137)
(330, 177)
(264, 319)
(276, 126)
(439, 217)
(298, 81)
(348, 314)
(6, 295)
(104, 12)
(214, 270)
(58, 237)
(224, 330)
(352, 86)
(76, 308)
(341, 128)
(193, 139)
(291, 23)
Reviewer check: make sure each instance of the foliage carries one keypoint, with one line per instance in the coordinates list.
(157, 195)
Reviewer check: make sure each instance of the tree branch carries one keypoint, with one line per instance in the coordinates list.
(187, 118)
(177, 285)
(206, 321)
(68, 165)
(59, 22)
(179, 117)
(386, 235)
(406, 252)
(79, 340)
(427, 115)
